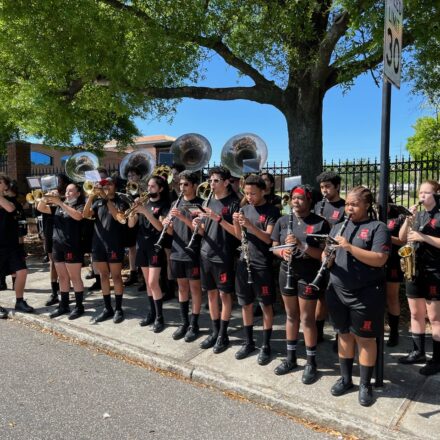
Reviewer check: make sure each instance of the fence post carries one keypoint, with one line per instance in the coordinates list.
(19, 163)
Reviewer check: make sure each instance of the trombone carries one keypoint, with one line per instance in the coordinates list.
(122, 216)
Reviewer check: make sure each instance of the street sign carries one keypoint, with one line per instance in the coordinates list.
(392, 51)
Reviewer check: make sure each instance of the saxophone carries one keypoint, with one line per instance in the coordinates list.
(407, 253)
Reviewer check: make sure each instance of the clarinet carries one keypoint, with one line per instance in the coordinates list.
(245, 250)
(321, 208)
(325, 265)
(289, 279)
(158, 244)
(196, 229)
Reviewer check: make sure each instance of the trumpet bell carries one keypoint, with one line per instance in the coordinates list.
(77, 165)
(88, 186)
(35, 196)
(191, 150)
(242, 147)
(203, 190)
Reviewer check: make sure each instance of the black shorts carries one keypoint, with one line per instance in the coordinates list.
(185, 269)
(61, 254)
(130, 235)
(394, 273)
(300, 287)
(217, 275)
(426, 286)
(148, 257)
(12, 260)
(359, 311)
(101, 254)
(48, 244)
(262, 288)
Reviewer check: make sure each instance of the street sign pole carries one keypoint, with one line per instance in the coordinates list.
(392, 70)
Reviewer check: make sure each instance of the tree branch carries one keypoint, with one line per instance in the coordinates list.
(215, 44)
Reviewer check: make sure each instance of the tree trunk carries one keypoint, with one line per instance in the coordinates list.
(304, 124)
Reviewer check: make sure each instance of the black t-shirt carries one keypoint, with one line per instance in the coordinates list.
(333, 212)
(66, 230)
(218, 245)
(427, 256)
(349, 272)
(9, 226)
(107, 230)
(260, 216)
(306, 266)
(147, 233)
(182, 234)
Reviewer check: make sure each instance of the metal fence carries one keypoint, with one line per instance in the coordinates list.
(406, 174)
(3, 164)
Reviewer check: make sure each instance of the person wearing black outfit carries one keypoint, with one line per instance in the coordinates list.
(356, 292)
(217, 250)
(12, 259)
(269, 193)
(394, 274)
(332, 208)
(185, 264)
(424, 291)
(107, 244)
(299, 298)
(253, 226)
(67, 250)
(150, 217)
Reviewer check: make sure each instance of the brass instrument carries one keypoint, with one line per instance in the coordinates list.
(407, 253)
(77, 165)
(142, 160)
(35, 196)
(122, 217)
(132, 188)
(158, 244)
(285, 199)
(191, 150)
(242, 147)
(245, 250)
(203, 190)
(164, 171)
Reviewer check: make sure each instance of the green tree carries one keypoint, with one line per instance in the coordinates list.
(426, 139)
(88, 67)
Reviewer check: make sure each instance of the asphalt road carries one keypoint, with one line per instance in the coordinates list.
(52, 389)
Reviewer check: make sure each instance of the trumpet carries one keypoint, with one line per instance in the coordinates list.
(35, 196)
(158, 244)
(122, 216)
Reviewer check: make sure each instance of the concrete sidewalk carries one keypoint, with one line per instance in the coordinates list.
(406, 407)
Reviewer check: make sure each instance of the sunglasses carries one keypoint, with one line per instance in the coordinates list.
(215, 180)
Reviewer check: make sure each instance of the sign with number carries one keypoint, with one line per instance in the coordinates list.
(392, 51)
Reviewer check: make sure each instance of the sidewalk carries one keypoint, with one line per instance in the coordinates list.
(408, 406)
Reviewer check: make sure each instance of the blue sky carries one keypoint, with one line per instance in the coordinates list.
(351, 121)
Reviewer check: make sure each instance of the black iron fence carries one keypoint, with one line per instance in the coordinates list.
(3, 164)
(406, 174)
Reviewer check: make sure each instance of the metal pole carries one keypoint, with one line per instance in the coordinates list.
(383, 200)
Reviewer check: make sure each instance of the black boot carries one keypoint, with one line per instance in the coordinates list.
(181, 330)
(159, 322)
(365, 389)
(417, 355)
(79, 308)
(53, 298)
(151, 314)
(212, 338)
(63, 307)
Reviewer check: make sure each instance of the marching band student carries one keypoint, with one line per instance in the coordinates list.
(150, 217)
(299, 298)
(332, 208)
(107, 244)
(67, 250)
(253, 226)
(424, 291)
(133, 175)
(216, 254)
(356, 292)
(185, 264)
(12, 257)
(269, 193)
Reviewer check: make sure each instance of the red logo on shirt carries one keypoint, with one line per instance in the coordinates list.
(366, 326)
(69, 256)
(335, 214)
(433, 223)
(195, 271)
(363, 235)
(223, 277)
(225, 210)
(433, 290)
(156, 210)
(265, 290)
(113, 255)
(308, 290)
(309, 229)
(391, 224)
(262, 218)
